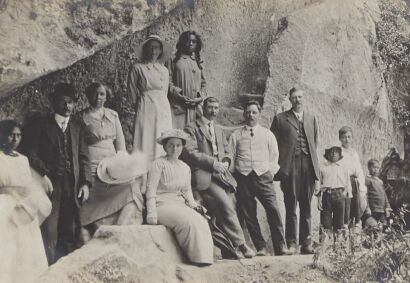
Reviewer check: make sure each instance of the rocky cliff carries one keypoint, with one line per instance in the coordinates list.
(38, 37)
(354, 72)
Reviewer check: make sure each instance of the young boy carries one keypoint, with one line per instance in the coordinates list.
(378, 202)
(335, 188)
(357, 203)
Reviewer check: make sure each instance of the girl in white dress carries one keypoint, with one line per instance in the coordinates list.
(23, 206)
(170, 201)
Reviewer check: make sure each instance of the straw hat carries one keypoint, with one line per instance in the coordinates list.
(174, 133)
(166, 49)
(122, 167)
(330, 149)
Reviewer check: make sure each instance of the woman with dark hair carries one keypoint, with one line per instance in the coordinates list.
(119, 204)
(187, 82)
(170, 201)
(147, 92)
(23, 207)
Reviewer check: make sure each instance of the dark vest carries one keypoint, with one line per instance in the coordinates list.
(64, 163)
(302, 143)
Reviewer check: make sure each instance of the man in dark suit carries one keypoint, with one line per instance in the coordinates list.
(208, 154)
(57, 151)
(297, 134)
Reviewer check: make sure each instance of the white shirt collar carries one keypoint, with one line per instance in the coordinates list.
(60, 119)
(299, 115)
(333, 163)
(248, 128)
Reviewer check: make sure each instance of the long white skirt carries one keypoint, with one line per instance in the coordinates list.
(191, 231)
(22, 254)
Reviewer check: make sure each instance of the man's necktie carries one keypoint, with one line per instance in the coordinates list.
(210, 131)
(252, 134)
(64, 126)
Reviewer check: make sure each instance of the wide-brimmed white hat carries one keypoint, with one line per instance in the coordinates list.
(174, 133)
(166, 49)
(122, 167)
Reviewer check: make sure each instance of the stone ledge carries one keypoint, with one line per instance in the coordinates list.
(141, 253)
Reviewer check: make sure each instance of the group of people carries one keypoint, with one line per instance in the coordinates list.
(183, 169)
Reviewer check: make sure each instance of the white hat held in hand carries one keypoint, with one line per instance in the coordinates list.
(122, 167)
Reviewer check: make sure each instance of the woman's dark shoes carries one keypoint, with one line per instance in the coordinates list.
(307, 250)
(262, 252)
(246, 251)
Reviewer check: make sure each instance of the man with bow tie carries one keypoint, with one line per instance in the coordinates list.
(255, 162)
(297, 134)
(57, 151)
(209, 156)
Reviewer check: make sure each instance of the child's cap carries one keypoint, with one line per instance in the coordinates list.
(330, 149)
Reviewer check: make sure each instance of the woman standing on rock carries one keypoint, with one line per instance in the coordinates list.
(170, 201)
(147, 91)
(23, 206)
(107, 204)
(187, 81)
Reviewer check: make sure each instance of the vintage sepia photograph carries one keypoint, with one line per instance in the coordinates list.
(244, 141)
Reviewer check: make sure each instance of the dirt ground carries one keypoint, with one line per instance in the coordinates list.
(296, 268)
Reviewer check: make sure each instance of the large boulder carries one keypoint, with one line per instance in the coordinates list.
(38, 37)
(150, 254)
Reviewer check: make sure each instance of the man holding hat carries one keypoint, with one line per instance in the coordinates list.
(57, 151)
(208, 153)
(335, 188)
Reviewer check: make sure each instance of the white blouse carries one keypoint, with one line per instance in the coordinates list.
(351, 161)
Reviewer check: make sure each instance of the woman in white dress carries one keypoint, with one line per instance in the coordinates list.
(147, 92)
(170, 201)
(23, 206)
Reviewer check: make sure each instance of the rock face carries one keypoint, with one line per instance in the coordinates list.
(38, 37)
(330, 51)
(329, 48)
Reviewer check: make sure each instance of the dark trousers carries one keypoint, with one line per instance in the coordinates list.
(299, 187)
(252, 186)
(333, 209)
(221, 206)
(380, 217)
(61, 229)
(353, 209)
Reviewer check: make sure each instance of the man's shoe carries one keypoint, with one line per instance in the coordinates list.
(293, 249)
(229, 254)
(246, 251)
(307, 250)
(283, 251)
(262, 252)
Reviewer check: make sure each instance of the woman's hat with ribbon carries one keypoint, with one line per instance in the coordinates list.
(122, 167)
(173, 133)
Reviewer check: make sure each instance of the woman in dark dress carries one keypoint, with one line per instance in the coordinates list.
(187, 86)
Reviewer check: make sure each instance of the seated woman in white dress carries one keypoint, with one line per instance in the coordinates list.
(23, 206)
(170, 201)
